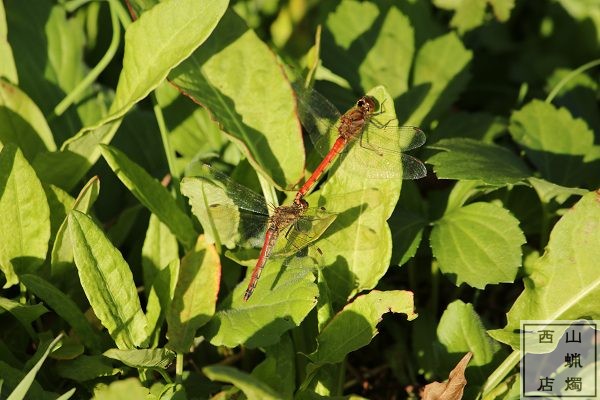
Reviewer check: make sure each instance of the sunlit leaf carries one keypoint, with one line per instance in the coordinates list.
(253, 388)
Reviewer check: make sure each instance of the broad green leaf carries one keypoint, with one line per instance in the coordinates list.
(22, 122)
(407, 231)
(378, 44)
(160, 293)
(502, 9)
(468, 14)
(440, 74)
(142, 358)
(11, 377)
(107, 282)
(25, 216)
(64, 307)
(8, 69)
(25, 314)
(195, 298)
(479, 126)
(85, 368)
(151, 194)
(479, 244)
(23, 387)
(460, 330)
(554, 141)
(127, 389)
(278, 370)
(253, 388)
(357, 252)
(169, 32)
(357, 324)
(62, 250)
(563, 284)
(282, 299)
(470, 159)
(238, 79)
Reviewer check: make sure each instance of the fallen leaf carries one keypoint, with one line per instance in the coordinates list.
(453, 388)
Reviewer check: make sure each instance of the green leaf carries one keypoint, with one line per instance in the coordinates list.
(22, 122)
(358, 249)
(151, 194)
(144, 358)
(107, 282)
(356, 325)
(126, 389)
(25, 314)
(25, 216)
(278, 369)
(479, 244)
(64, 307)
(23, 387)
(470, 159)
(253, 388)
(460, 330)
(195, 296)
(62, 250)
(8, 69)
(239, 80)
(502, 8)
(563, 284)
(554, 141)
(378, 44)
(468, 14)
(85, 368)
(160, 293)
(440, 74)
(479, 126)
(547, 191)
(282, 299)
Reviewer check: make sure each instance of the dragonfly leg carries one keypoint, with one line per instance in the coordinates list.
(364, 143)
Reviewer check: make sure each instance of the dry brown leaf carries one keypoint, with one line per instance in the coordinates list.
(453, 388)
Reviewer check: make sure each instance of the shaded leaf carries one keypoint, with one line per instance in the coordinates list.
(470, 159)
(142, 358)
(85, 368)
(479, 244)
(239, 80)
(25, 314)
(126, 389)
(195, 298)
(7, 67)
(107, 282)
(278, 369)
(151, 194)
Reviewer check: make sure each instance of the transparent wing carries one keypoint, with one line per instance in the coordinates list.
(222, 190)
(303, 232)
(394, 138)
(235, 226)
(318, 116)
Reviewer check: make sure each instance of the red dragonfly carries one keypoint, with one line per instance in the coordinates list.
(234, 211)
(381, 145)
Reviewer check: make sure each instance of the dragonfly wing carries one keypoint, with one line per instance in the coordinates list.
(318, 116)
(393, 138)
(412, 168)
(302, 233)
(234, 226)
(222, 190)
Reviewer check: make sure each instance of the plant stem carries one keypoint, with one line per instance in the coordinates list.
(164, 135)
(570, 76)
(503, 369)
(97, 70)
(179, 368)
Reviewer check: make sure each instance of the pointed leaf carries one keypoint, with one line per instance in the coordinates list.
(565, 282)
(151, 194)
(107, 282)
(478, 244)
(239, 80)
(22, 122)
(143, 358)
(195, 297)
(25, 314)
(474, 160)
(25, 216)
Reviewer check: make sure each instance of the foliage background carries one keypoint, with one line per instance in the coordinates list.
(506, 92)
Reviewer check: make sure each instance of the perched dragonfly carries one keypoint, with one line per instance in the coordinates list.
(381, 145)
(234, 211)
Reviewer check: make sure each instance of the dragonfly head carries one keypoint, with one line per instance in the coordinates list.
(367, 104)
(302, 204)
